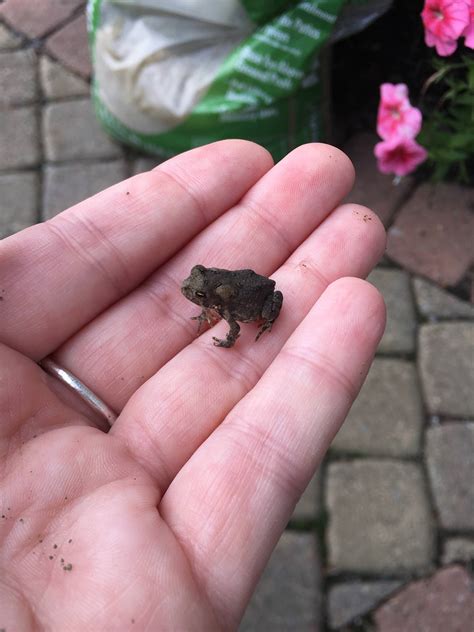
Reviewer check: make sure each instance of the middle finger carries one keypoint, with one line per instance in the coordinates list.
(118, 351)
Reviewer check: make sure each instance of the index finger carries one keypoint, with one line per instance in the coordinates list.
(55, 277)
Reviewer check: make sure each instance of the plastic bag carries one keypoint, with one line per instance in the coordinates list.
(174, 74)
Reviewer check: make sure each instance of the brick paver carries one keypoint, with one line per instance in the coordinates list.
(380, 520)
(69, 45)
(444, 603)
(309, 505)
(288, 594)
(372, 188)
(458, 550)
(434, 233)
(72, 132)
(35, 18)
(68, 184)
(446, 353)
(387, 417)
(8, 40)
(350, 600)
(450, 460)
(19, 138)
(436, 304)
(59, 83)
(18, 201)
(18, 78)
(399, 336)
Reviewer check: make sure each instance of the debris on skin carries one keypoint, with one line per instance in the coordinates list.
(67, 567)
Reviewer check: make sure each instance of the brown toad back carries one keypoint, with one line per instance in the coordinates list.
(236, 295)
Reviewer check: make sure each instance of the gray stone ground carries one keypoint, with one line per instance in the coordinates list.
(394, 499)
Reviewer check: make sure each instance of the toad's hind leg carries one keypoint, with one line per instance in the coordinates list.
(232, 334)
(270, 312)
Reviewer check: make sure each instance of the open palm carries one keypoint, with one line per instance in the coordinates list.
(166, 522)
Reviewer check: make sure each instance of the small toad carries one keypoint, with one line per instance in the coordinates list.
(236, 295)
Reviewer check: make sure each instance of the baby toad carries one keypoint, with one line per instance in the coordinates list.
(236, 295)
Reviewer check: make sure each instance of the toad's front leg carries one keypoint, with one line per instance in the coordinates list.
(208, 315)
(232, 335)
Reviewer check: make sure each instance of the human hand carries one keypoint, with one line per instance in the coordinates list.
(167, 521)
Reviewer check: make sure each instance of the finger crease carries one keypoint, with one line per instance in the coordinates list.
(241, 370)
(84, 254)
(196, 200)
(325, 367)
(313, 270)
(270, 222)
(267, 455)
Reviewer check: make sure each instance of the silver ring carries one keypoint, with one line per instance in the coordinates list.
(78, 387)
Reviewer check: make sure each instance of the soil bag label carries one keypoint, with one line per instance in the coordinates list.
(175, 74)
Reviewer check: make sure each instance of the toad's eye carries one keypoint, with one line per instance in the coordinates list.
(200, 294)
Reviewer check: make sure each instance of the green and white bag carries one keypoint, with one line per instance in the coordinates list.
(174, 74)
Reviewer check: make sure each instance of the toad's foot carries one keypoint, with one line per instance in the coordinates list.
(231, 337)
(225, 342)
(267, 326)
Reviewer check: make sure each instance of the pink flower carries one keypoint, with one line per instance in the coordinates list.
(444, 22)
(400, 156)
(469, 30)
(396, 117)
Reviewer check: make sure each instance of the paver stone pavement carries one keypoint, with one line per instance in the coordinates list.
(19, 138)
(349, 600)
(400, 330)
(8, 40)
(59, 83)
(445, 359)
(379, 517)
(67, 184)
(458, 550)
(442, 603)
(18, 78)
(36, 18)
(436, 304)
(70, 46)
(72, 132)
(434, 232)
(18, 201)
(450, 463)
(288, 595)
(387, 417)
(309, 505)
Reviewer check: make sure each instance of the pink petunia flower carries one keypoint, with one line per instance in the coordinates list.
(396, 117)
(469, 30)
(444, 22)
(400, 156)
